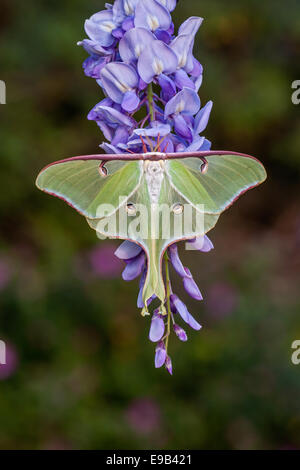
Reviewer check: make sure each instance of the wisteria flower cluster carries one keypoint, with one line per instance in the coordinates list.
(145, 70)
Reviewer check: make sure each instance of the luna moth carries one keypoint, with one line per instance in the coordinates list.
(208, 181)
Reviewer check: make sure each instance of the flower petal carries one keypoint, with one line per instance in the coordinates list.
(156, 58)
(128, 250)
(110, 115)
(160, 355)
(181, 308)
(118, 78)
(130, 101)
(175, 260)
(182, 128)
(134, 268)
(94, 48)
(182, 80)
(108, 148)
(121, 136)
(196, 144)
(119, 14)
(168, 365)
(191, 286)
(200, 243)
(186, 101)
(168, 88)
(190, 26)
(183, 48)
(180, 333)
(157, 328)
(201, 120)
(92, 67)
(169, 4)
(151, 15)
(129, 6)
(100, 26)
(133, 44)
(156, 129)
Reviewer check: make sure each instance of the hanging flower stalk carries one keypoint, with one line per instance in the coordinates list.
(156, 156)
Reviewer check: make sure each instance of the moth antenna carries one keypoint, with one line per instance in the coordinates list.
(130, 151)
(144, 144)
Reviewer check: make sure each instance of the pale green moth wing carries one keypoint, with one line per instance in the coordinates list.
(155, 226)
(226, 177)
(89, 190)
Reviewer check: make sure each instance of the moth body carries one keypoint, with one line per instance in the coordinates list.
(155, 172)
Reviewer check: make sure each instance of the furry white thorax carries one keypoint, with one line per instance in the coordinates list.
(154, 176)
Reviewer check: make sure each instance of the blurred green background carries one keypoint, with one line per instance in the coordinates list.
(80, 371)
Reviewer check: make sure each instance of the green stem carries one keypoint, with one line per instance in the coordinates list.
(168, 299)
(151, 102)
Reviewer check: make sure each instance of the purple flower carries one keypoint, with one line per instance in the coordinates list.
(160, 355)
(155, 129)
(185, 102)
(134, 267)
(157, 327)
(176, 261)
(180, 333)
(100, 27)
(92, 67)
(188, 281)
(133, 44)
(190, 26)
(201, 120)
(120, 82)
(182, 80)
(114, 124)
(184, 43)
(155, 59)
(200, 243)
(168, 365)
(181, 308)
(190, 285)
(168, 87)
(119, 14)
(169, 4)
(128, 250)
(152, 15)
(94, 48)
(129, 6)
(181, 108)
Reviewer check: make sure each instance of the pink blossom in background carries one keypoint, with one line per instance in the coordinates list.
(104, 263)
(12, 361)
(144, 416)
(221, 299)
(5, 273)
